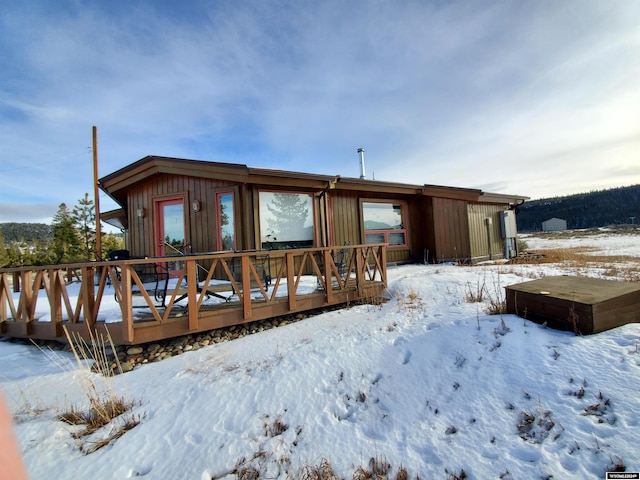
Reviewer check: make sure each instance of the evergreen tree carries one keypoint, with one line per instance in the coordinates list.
(84, 218)
(42, 253)
(4, 254)
(289, 214)
(14, 256)
(66, 243)
(112, 242)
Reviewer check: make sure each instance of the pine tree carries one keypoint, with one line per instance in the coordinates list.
(111, 242)
(289, 215)
(42, 253)
(14, 256)
(4, 254)
(84, 218)
(66, 243)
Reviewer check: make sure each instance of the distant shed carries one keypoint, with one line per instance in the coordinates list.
(580, 304)
(554, 225)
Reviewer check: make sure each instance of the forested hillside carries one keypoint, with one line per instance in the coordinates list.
(615, 206)
(27, 232)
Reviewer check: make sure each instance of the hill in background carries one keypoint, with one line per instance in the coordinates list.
(28, 232)
(616, 206)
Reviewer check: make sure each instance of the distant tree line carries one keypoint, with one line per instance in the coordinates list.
(616, 206)
(29, 232)
(71, 237)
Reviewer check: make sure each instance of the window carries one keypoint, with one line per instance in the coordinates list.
(286, 220)
(226, 221)
(384, 223)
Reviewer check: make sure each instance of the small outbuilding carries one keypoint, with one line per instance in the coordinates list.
(554, 225)
(171, 204)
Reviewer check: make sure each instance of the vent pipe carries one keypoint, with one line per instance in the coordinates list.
(363, 176)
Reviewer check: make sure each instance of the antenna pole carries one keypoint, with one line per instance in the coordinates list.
(96, 194)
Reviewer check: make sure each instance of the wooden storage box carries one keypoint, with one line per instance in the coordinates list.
(580, 304)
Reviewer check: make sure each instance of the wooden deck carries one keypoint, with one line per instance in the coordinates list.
(579, 304)
(363, 276)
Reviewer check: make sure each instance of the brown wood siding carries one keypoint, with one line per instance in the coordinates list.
(451, 229)
(421, 236)
(481, 248)
(200, 226)
(348, 226)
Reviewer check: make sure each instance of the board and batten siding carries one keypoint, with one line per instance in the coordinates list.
(451, 230)
(348, 225)
(486, 241)
(200, 227)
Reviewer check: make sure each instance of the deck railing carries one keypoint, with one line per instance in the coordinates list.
(205, 291)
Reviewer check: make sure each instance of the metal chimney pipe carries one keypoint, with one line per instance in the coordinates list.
(363, 176)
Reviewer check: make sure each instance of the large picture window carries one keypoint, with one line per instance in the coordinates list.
(286, 220)
(384, 222)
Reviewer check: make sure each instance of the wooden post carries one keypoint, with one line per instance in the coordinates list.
(246, 286)
(88, 292)
(192, 293)
(383, 264)
(16, 282)
(291, 292)
(127, 304)
(4, 294)
(26, 298)
(360, 271)
(55, 301)
(328, 262)
(96, 195)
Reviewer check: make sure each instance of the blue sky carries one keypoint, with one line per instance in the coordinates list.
(535, 98)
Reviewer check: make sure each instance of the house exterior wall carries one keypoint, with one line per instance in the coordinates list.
(200, 226)
(421, 234)
(439, 223)
(348, 224)
(451, 230)
(486, 240)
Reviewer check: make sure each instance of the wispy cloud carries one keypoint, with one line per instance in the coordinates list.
(535, 98)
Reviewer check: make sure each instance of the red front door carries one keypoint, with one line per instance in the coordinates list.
(170, 229)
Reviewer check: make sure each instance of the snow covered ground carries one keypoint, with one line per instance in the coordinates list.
(606, 242)
(427, 381)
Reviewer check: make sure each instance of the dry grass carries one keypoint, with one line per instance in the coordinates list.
(621, 267)
(102, 410)
(410, 300)
(455, 476)
(489, 291)
(475, 293)
(324, 471)
(275, 428)
(378, 468)
(105, 408)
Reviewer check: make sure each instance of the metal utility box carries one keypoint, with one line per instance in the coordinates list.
(508, 226)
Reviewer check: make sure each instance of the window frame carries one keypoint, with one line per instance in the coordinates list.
(282, 244)
(387, 232)
(217, 193)
(159, 201)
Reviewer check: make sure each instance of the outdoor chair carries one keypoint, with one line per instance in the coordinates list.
(155, 275)
(261, 262)
(341, 259)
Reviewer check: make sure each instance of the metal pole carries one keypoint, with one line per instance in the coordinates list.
(96, 194)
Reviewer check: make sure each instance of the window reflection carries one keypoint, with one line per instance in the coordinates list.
(286, 220)
(384, 223)
(226, 221)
